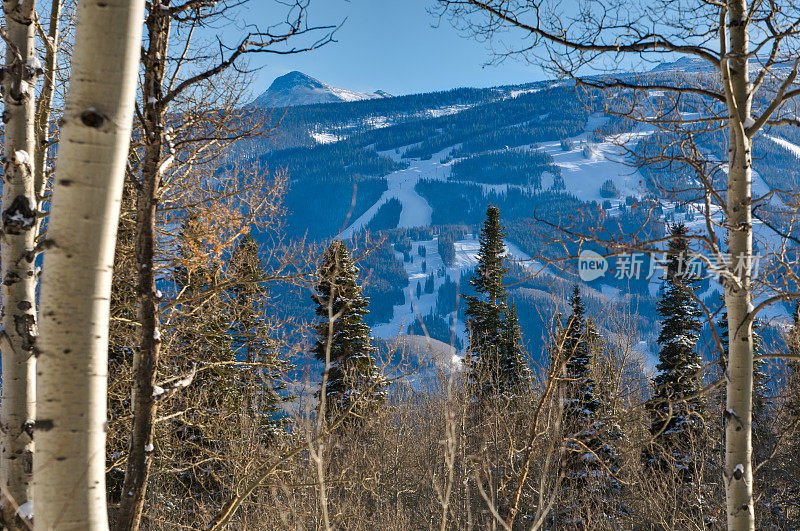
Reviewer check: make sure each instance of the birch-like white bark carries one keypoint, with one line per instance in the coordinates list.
(69, 464)
(738, 296)
(19, 222)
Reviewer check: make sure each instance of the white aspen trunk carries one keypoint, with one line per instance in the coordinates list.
(738, 443)
(69, 464)
(19, 222)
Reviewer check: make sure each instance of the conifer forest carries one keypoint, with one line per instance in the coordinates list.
(399, 265)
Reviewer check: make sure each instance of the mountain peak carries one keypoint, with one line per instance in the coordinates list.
(295, 79)
(297, 88)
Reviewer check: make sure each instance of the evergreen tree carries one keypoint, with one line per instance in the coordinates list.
(343, 337)
(429, 283)
(203, 333)
(590, 437)
(495, 365)
(676, 408)
(582, 406)
(579, 338)
(788, 463)
(513, 369)
(250, 335)
(791, 402)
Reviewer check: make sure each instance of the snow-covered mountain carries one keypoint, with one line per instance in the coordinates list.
(296, 88)
(687, 64)
(684, 64)
(417, 172)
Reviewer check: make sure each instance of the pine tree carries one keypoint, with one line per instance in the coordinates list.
(513, 369)
(579, 336)
(791, 402)
(203, 333)
(494, 365)
(343, 336)
(788, 462)
(676, 406)
(250, 337)
(582, 406)
(590, 438)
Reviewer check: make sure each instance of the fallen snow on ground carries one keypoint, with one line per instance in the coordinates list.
(416, 210)
(583, 175)
(465, 260)
(584, 168)
(447, 110)
(784, 143)
(325, 138)
(520, 92)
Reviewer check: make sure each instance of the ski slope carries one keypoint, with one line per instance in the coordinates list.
(582, 175)
(416, 210)
(465, 260)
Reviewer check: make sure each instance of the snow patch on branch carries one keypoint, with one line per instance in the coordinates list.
(166, 164)
(34, 63)
(160, 393)
(25, 511)
(21, 157)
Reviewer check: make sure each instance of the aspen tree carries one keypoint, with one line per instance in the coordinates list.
(69, 464)
(19, 214)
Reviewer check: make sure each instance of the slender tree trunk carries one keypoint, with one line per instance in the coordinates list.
(738, 444)
(137, 468)
(69, 463)
(19, 207)
(43, 106)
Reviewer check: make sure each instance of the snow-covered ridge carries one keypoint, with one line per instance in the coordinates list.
(296, 88)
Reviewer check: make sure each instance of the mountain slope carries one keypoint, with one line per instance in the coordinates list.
(419, 171)
(296, 88)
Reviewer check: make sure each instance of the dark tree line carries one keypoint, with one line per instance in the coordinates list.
(520, 167)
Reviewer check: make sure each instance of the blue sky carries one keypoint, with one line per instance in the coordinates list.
(389, 45)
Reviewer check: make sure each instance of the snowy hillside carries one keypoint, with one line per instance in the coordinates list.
(412, 170)
(424, 303)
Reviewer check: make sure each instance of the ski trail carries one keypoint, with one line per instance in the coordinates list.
(416, 210)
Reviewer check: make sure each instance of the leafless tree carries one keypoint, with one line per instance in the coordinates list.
(26, 143)
(69, 464)
(734, 40)
(182, 130)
